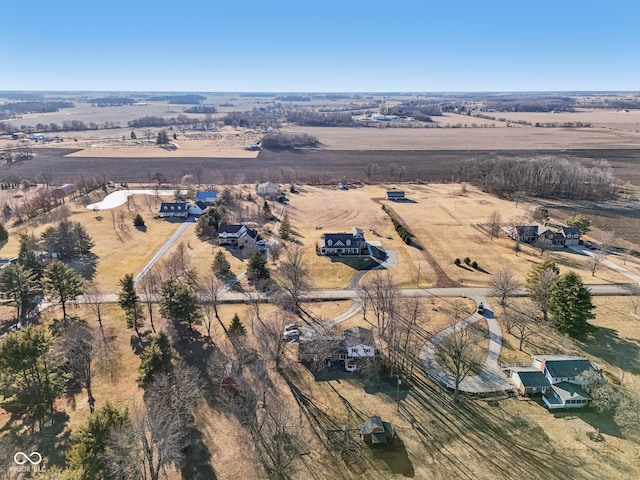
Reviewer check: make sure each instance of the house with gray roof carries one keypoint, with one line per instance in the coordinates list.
(345, 243)
(174, 209)
(558, 378)
(323, 350)
(237, 234)
(538, 233)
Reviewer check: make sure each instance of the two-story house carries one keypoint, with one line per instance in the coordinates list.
(237, 234)
(346, 243)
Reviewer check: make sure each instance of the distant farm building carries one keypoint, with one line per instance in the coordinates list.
(395, 195)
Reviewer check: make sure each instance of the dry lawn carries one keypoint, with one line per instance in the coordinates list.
(451, 224)
(117, 251)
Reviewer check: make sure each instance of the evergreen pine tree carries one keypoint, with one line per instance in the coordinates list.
(221, 266)
(570, 305)
(236, 328)
(285, 228)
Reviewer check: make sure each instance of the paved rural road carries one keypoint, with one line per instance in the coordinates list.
(181, 229)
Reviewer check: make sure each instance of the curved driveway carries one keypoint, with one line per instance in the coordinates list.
(490, 378)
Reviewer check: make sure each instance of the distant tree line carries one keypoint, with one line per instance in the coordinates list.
(111, 101)
(549, 177)
(178, 99)
(536, 124)
(66, 126)
(22, 96)
(201, 109)
(151, 121)
(416, 109)
(254, 118)
(10, 110)
(294, 98)
(520, 104)
(309, 118)
(289, 140)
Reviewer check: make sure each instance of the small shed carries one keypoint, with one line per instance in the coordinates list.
(395, 195)
(268, 189)
(229, 386)
(376, 432)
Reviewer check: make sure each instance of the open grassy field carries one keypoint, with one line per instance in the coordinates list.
(116, 251)
(447, 222)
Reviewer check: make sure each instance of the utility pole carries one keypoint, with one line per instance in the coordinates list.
(398, 382)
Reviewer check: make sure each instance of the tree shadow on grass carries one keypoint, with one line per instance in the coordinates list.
(52, 441)
(606, 344)
(490, 439)
(85, 265)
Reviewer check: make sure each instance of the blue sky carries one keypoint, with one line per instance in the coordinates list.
(329, 46)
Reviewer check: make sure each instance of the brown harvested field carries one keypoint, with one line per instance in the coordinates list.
(516, 138)
(618, 120)
(306, 166)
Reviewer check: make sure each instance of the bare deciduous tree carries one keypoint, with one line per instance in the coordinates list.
(503, 285)
(523, 321)
(211, 286)
(150, 286)
(292, 275)
(380, 297)
(458, 352)
(494, 223)
(540, 290)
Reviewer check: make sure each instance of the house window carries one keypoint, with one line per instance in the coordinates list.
(354, 350)
(367, 350)
(329, 242)
(348, 242)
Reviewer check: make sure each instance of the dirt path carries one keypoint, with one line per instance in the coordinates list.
(442, 279)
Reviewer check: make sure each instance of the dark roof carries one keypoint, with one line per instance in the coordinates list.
(566, 367)
(381, 432)
(340, 239)
(533, 378)
(395, 193)
(527, 230)
(252, 233)
(230, 228)
(358, 336)
(321, 346)
(571, 231)
(174, 207)
(203, 205)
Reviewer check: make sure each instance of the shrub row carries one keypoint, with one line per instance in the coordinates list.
(405, 234)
